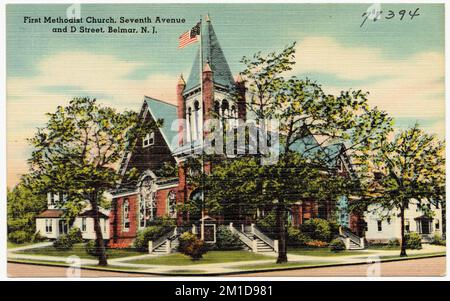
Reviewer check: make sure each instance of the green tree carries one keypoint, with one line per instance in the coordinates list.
(304, 111)
(76, 153)
(408, 169)
(23, 207)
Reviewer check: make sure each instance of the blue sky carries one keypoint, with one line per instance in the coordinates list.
(400, 62)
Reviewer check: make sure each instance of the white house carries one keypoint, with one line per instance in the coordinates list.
(51, 222)
(382, 227)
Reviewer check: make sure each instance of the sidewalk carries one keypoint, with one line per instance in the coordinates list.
(228, 267)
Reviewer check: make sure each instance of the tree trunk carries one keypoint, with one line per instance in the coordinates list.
(402, 231)
(99, 242)
(281, 227)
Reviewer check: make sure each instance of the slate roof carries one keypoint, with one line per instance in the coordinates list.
(168, 112)
(213, 55)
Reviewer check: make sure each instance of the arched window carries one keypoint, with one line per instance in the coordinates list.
(172, 204)
(217, 108)
(225, 108)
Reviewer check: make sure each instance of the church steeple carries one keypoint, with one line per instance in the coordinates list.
(212, 55)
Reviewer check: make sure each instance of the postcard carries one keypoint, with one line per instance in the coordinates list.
(226, 139)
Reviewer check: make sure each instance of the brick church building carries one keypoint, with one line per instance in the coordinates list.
(157, 192)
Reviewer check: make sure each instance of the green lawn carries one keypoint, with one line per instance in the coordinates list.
(324, 252)
(383, 247)
(78, 250)
(210, 257)
(293, 264)
(12, 245)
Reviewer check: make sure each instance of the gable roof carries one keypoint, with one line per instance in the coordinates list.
(213, 55)
(51, 213)
(168, 112)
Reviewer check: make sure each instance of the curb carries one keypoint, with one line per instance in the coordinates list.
(56, 264)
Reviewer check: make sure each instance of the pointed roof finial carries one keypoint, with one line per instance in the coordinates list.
(181, 80)
(207, 19)
(207, 68)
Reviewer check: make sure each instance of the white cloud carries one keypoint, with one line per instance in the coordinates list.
(409, 87)
(82, 74)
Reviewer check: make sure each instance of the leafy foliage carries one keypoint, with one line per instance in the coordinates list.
(407, 169)
(437, 239)
(76, 152)
(150, 233)
(75, 235)
(22, 208)
(226, 240)
(317, 229)
(304, 111)
(19, 237)
(413, 241)
(296, 237)
(337, 245)
(192, 246)
(63, 243)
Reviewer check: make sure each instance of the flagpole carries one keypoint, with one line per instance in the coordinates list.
(202, 230)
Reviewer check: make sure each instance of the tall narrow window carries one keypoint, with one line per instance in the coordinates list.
(437, 225)
(407, 226)
(197, 134)
(379, 226)
(83, 224)
(189, 124)
(141, 212)
(171, 204)
(51, 198)
(126, 215)
(48, 225)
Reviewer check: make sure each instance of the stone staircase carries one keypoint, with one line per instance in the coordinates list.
(254, 240)
(165, 244)
(168, 246)
(351, 240)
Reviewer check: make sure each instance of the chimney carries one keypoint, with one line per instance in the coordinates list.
(181, 110)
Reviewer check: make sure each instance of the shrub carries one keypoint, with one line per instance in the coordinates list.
(19, 237)
(437, 240)
(148, 234)
(37, 237)
(191, 246)
(337, 245)
(317, 229)
(393, 243)
(75, 235)
(413, 241)
(316, 244)
(91, 248)
(227, 240)
(63, 243)
(295, 237)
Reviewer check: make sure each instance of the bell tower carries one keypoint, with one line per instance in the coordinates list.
(209, 89)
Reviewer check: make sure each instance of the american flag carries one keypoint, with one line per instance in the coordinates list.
(189, 37)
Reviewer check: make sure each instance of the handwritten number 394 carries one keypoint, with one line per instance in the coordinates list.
(376, 15)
